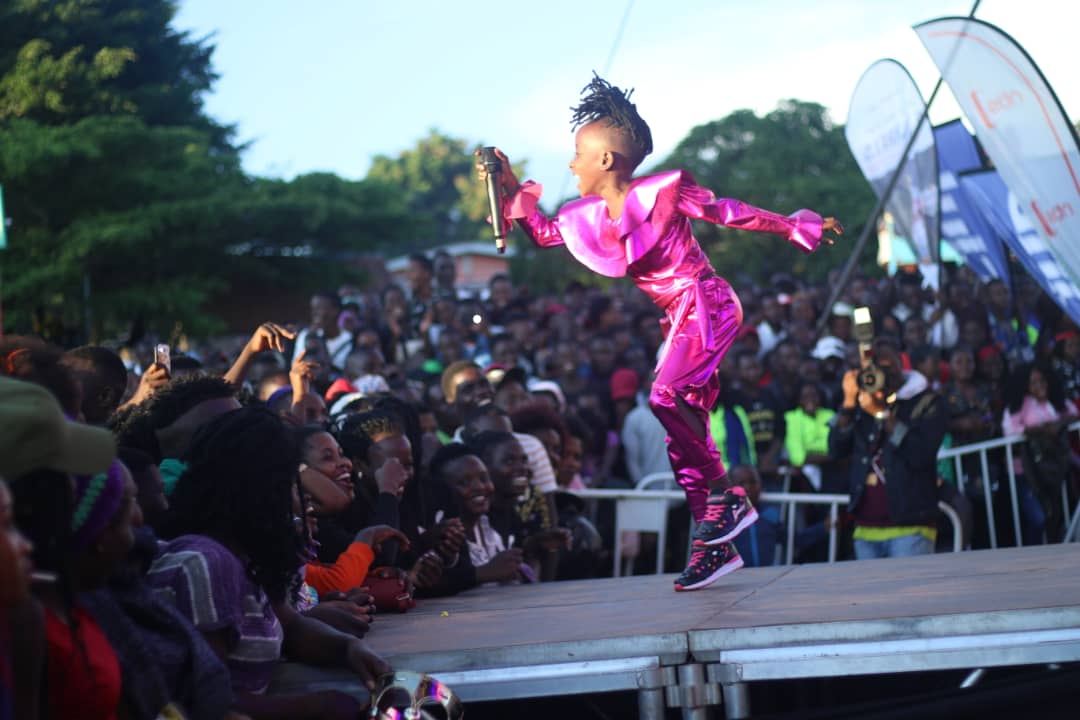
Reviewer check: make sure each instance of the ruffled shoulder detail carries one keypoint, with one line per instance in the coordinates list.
(605, 245)
(524, 202)
(650, 206)
(592, 237)
(692, 193)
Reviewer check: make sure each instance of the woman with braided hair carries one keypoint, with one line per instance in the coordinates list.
(378, 444)
(231, 566)
(640, 227)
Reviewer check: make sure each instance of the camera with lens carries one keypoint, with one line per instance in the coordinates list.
(871, 378)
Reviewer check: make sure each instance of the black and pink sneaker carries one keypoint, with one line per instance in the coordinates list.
(726, 516)
(707, 565)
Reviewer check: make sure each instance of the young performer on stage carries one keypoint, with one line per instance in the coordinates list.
(641, 227)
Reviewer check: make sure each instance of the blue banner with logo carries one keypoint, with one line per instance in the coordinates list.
(1005, 215)
(1019, 122)
(962, 225)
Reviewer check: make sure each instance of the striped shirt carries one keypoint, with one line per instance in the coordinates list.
(209, 585)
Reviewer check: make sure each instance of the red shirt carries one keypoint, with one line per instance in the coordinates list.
(84, 682)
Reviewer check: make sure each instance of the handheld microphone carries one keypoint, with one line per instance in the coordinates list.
(493, 168)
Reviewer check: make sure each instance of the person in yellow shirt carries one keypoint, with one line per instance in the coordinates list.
(807, 436)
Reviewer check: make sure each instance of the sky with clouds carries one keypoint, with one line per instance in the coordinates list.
(328, 85)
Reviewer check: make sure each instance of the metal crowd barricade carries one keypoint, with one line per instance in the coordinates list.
(790, 501)
(957, 454)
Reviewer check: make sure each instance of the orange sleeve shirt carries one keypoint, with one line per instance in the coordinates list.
(346, 573)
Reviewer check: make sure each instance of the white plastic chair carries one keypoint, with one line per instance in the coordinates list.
(643, 515)
(658, 481)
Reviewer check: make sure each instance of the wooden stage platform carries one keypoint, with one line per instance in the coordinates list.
(699, 649)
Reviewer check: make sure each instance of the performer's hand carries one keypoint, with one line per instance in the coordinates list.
(508, 180)
(831, 224)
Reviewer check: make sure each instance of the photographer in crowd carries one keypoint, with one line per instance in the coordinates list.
(890, 425)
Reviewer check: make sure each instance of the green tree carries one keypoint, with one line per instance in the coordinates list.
(128, 203)
(65, 60)
(437, 180)
(140, 238)
(793, 157)
(115, 178)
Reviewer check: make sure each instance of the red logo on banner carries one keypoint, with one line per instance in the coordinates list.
(1053, 216)
(995, 105)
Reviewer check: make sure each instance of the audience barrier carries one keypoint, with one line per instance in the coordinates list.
(633, 503)
(637, 500)
(1010, 443)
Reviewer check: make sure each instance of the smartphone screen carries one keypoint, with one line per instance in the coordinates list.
(162, 357)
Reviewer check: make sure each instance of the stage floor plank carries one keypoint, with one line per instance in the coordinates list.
(556, 622)
(995, 591)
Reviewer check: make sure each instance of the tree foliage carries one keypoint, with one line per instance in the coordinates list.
(127, 202)
(138, 235)
(437, 180)
(65, 60)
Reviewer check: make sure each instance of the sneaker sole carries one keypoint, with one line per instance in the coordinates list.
(748, 519)
(732, 565)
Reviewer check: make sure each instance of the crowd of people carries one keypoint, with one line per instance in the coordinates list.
(199, 515)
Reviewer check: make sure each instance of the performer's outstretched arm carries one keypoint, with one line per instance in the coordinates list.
(803, 228)
(524, 207)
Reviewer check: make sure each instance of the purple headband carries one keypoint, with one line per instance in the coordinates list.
(97, 498)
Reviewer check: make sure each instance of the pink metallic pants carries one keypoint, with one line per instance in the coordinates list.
(695, 345)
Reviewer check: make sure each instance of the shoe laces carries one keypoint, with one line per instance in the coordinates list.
(714, 511)
(698, 557)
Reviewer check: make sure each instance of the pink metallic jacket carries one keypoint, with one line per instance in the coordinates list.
(652, 242)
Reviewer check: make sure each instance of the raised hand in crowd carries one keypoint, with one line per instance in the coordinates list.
(155, 378)
(301, 374)
(391, 477)
(268, 336)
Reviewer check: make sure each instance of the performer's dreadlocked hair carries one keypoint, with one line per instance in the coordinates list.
(603, 101)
